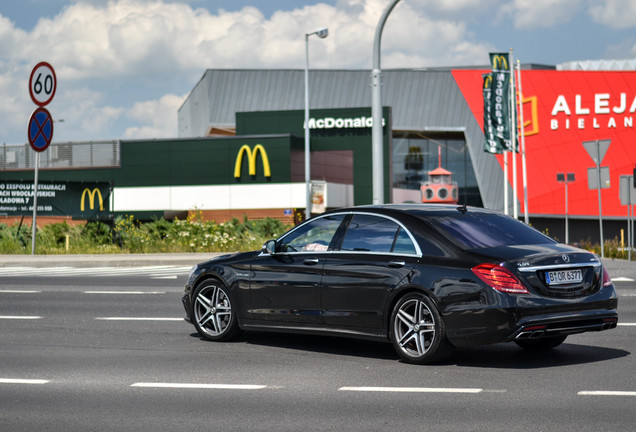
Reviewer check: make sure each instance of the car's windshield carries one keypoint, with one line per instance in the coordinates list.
(484, 230)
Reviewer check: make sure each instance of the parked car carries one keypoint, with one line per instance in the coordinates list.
(427, 278)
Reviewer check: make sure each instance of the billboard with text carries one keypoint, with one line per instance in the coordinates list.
(562, 109)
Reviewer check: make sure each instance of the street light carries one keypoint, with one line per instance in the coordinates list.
(321, 33)
(377, 143)
(566, 178)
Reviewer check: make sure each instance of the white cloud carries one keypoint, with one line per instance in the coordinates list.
(532, 14)
(110, 55)
(160, 114)
(618, 14)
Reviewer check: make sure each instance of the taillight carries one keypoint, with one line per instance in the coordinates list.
(500, 278)
(607, 280)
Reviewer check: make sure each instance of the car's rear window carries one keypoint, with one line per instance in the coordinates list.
(484, 230)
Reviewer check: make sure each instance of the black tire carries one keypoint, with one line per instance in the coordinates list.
(213, 312)
(542, 344)
(417, 330)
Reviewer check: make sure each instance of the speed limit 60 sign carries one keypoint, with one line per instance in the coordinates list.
(42, 84)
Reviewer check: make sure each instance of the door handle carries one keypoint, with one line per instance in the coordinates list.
(397, 264)
(311, 261)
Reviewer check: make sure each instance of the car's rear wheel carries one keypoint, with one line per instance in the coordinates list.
(417, 330)
(542, 344)
(214, 314)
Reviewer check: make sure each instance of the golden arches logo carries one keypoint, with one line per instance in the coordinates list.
(499, 62)
(487, 81)
(91, 199)
(251, 159)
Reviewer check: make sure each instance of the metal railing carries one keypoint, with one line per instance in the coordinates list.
(69, 155)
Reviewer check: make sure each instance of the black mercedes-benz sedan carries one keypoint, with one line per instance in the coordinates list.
(427, 278)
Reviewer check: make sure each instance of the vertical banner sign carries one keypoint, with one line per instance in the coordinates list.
(491, 145)
(500, 99)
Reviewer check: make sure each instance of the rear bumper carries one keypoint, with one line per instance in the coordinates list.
(508, 322)
(549, 326)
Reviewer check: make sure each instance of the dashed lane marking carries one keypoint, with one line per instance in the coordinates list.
(412, 389)
(200, 386)
(23, 381)
(137, 319)
(125, 292)
(606, 393)
(164, 271)
(9, 291)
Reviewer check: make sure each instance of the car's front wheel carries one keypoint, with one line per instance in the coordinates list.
(417, 330)
(214, 314)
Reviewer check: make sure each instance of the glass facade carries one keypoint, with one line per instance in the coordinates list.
(417, 153)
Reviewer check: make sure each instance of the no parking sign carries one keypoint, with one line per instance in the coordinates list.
(40, 130)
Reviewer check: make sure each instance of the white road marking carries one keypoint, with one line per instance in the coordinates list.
(200, 386)
(167, 271)
(19, 317)
(137, 319)
(627, 324)
(22, 381)
(606, 393)
(622, 279)
(412, 389)
(20, 292)
(125, 292)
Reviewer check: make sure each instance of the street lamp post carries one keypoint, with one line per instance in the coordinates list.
(566, 178)
(377, 144)
(321, 33)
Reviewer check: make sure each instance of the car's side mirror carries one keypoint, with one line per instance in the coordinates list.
(269, 247)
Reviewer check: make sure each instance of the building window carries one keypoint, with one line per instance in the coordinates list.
(416, 153)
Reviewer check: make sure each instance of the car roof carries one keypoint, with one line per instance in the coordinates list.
(418, 210)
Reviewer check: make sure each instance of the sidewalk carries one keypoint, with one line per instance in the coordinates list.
(106, 260)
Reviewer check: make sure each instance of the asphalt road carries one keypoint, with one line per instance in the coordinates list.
(111, 352)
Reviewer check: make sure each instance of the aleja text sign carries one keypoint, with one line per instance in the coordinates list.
(563, 109)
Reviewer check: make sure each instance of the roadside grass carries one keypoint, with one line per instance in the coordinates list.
(127, 235)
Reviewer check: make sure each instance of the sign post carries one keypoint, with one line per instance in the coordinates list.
(628, 198)
(566, 178)
(596, 150)
(42, 87)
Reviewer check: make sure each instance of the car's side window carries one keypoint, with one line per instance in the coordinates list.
(403, 244)
(368, 233)
(314, 236)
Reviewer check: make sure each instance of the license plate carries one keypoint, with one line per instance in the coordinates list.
(563, 277)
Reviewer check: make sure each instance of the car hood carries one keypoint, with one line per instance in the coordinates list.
(230, 258)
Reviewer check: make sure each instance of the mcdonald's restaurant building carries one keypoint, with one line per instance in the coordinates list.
(240, 146)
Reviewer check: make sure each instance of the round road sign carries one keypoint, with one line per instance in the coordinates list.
(40, 131)
(42, 84)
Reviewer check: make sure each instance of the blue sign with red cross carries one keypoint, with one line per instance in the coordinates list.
(40, 130)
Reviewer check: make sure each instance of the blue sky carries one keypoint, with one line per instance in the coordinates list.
(125, 66)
